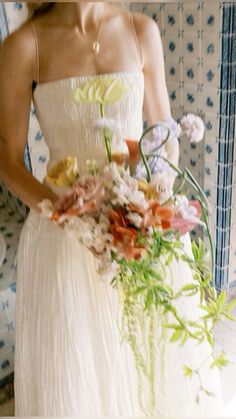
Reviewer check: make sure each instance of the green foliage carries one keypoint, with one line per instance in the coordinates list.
(218, 308)
(208, 393)
(188, 372)
(220, 361)
(146, 293)
(198, 250)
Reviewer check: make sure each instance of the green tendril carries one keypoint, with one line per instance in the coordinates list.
(143, 156)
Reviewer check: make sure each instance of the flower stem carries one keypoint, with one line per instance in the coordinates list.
(205, 219)
(143, 156)
(102, 110)
(186, 175)
(176, 191)
(105, 136)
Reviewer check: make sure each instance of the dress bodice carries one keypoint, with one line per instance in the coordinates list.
(68, 122)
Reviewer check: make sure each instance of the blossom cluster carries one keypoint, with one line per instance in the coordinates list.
(110, 211)
(114, 210)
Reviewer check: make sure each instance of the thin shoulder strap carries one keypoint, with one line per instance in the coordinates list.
(37, 52)
(135, 37)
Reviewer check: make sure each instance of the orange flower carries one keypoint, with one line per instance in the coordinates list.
(155, 215)
(133, 146)
(117, 217)
(87, 208)
(124, 237)
(158, 216)
(133, 208)
(118, 158)
(134, 154)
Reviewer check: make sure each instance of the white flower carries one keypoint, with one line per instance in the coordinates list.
(138, 199)
(108, 237)
(121, 192)
(100, 230)
(99, 244)
(105, 209)
(130, 181)
(108, 123)
(76, 224)
(104, 221)
(103, 227)
(118, 147)
(46, 207)
(108, 270)
(89, 220)
(125, 191)
(153, 139)
(111, 173)
(87, 239)
(156, 137)
(194, 127)
(175, 128)
(187, 211)
(158, 133)
(140, 172)
(135, 219)
(162, 182)
(156, 164)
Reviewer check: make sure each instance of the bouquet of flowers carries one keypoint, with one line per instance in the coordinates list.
(127, 214)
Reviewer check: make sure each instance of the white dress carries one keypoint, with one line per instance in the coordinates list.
(69, 360)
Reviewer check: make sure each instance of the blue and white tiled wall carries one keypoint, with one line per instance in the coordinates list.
(190, 32)
(199, 43)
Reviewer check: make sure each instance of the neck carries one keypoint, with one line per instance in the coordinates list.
(82, 15)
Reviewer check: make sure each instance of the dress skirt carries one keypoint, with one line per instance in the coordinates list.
(69, 358)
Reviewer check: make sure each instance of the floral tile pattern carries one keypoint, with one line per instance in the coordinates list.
(199, 39)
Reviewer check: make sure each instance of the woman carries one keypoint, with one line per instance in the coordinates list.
(69, 360)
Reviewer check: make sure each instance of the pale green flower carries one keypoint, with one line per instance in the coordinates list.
(104, 91)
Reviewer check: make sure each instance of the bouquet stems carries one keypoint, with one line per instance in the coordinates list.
(186, 176)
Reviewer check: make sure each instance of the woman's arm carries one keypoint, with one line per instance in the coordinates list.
(156, 99)
(17, 70)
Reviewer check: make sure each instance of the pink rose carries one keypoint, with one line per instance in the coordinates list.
(85, 196)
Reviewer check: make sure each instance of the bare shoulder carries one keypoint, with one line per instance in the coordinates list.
(149, 38)
(19, 48)
(145, 26)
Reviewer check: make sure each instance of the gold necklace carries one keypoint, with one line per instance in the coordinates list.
(96, 45)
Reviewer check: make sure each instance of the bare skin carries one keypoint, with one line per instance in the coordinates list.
(65, 36)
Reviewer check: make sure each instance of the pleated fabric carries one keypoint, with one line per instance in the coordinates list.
(69, 358)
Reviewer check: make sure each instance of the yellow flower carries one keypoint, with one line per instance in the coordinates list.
(104, 91)
(148, 189)
(64, 172)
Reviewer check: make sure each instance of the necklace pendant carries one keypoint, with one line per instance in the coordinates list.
(96, 47)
